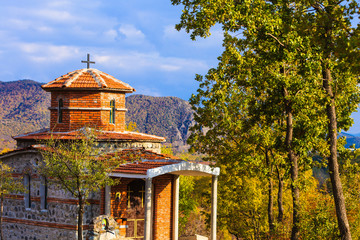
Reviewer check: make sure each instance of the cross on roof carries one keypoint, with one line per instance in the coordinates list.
(88, 61)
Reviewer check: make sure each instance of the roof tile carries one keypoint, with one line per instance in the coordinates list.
(88, 78)
(100, 135)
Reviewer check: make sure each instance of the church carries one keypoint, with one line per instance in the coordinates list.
(144, 204)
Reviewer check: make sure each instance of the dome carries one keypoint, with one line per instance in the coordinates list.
(89, 79)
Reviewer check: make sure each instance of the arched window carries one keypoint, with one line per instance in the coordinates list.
(60, 111)
(112, 111)
(43, 193)
(27, 184)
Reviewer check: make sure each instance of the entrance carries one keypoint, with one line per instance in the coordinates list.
(135, 212)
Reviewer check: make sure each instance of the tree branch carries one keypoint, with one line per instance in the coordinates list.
(269, 34)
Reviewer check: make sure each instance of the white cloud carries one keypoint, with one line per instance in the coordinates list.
(145, 90)
(110, 34)
(44, 29)
(59, 4)
(46, 53)
(54, 15)
(169, 68)
(137, 40)
(137, 61)
(131, 33)
(172, 33)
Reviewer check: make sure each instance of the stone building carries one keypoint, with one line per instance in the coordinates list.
(144, 205)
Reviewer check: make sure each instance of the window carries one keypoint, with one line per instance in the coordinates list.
(43, 193)
(27, 192)
(60, 111)
(112, 111)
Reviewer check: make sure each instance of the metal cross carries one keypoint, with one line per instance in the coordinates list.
(128, 195)
(88, 61)
(142, 196)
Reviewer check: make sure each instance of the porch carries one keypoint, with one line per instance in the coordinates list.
(159, 194)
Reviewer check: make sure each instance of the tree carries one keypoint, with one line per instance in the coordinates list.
(8, 184)
(187, 203)
(167, 149)
(249, 104)
(336, 44)
(313, 45)
(132, 127)
(77, 167)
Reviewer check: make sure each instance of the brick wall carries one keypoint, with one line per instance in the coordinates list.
(77, 118)
(163, 207)
(118, 208)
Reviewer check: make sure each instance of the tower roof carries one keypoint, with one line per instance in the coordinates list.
(87, 78)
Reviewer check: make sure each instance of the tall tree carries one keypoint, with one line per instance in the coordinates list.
(310, 43)
(336, 43)
(76, 167)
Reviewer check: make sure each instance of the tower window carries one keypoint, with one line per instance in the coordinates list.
(27, 193)
(60, 111)
(43, 193)
(112, 111)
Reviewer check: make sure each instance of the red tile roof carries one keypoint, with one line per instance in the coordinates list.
(88, 79)
(142, 166)
(140, 160)
(131, 155)
(100, 135)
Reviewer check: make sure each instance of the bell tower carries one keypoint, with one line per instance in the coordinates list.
(87, 97)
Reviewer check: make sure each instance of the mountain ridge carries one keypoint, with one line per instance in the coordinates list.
(24, 108)
(25, 105)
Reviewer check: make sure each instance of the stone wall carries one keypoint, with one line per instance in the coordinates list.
(109, 146)
(29, 232)
(57, 221)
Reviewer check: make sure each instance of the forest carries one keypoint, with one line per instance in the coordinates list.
(284, 88)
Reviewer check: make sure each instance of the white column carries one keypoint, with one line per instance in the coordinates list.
(176, 208)
(107, 200)
(148, 223)
(214, 207)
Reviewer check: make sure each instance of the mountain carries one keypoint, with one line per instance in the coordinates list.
(170, 117)
(24, 108)
(351, 140)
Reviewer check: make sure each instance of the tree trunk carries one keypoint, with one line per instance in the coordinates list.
(280, 196)
(295, 231)
(80, 218)
(1, 217)
(271, 199)
(333, 162)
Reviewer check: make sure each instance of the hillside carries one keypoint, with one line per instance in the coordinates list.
(351, 140)
(24, 106)
(170, 117)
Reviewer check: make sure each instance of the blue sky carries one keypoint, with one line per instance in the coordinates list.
(133, 40)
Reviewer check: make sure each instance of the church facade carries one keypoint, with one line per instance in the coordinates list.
(144, 205)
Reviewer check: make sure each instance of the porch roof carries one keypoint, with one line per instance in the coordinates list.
(150, 165)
